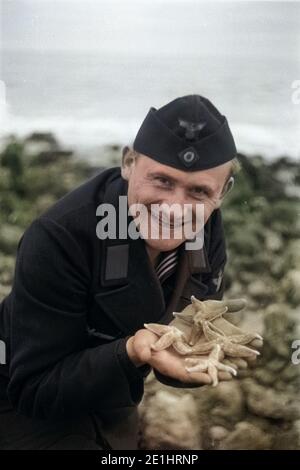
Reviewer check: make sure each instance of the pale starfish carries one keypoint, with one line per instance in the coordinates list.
(232, 345)
(207, 310)
(169, 335)
(212, 365)
(203, 311)
(198, 317)
(193, 333)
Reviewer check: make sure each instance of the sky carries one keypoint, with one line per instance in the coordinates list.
(101, 24)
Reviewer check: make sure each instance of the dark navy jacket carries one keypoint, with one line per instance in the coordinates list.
(75, 299)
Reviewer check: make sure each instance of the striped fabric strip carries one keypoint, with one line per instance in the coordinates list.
(167, 266)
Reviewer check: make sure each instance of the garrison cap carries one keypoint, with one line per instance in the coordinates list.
(189, 134)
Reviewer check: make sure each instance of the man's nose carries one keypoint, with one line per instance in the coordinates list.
(178, 206)
(177, 197)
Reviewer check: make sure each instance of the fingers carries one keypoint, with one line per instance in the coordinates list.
(235, 305)
(256, 343)
(226, 326)
(251, 360)
(157, 328)
(142, 346)
(236, 362)
(205, 379)
(224, 376)
(230, 363)
(164, 342)
(198, 377)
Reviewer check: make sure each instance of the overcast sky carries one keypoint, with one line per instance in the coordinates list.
(117, 25)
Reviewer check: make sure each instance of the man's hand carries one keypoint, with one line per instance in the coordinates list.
(168, 362)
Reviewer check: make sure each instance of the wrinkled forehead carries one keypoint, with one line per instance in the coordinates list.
(215, 176)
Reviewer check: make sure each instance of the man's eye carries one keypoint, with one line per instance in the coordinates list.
(162, 180)
(200, 192)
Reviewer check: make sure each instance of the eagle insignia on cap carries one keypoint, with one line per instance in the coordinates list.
(191, 128)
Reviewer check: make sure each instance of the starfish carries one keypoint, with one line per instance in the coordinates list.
(208, 310)
(232, 345)
(193, 333)
(212, 365)
(169, 335)
(202, 311)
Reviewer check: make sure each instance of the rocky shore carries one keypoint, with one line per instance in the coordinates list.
(261, 408)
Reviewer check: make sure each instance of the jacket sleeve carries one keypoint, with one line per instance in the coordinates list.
(53, 372)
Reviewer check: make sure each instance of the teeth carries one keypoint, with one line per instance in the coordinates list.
(166, 221)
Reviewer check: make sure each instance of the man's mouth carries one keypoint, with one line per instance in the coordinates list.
(165, 221)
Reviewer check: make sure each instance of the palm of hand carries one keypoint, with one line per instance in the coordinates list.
(169, 363)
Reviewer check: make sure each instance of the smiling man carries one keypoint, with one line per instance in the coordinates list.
(77, 352)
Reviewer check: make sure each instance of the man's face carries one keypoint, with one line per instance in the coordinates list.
(151, 183)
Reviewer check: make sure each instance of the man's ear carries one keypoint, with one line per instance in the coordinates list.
(227, 188)
(229, 185)
(124, 151)
(128, 160)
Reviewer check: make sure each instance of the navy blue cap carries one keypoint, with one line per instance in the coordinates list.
(188, 133)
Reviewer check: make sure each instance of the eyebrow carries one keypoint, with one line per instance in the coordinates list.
(173, 180)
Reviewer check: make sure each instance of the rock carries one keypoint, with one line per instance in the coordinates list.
(268, 403)
(52, 156)
(224, 402)
(276, 365)
(218, 433)
(273, 241)
(44, 202)
(286, 439)
(246, 436)
(296, 427)
(293, 254)
(278, 333)
(291, 287)
(260, 290)
(170, 421)
(39, 142)
(291, 373)
(9, 238)
(265, 376)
